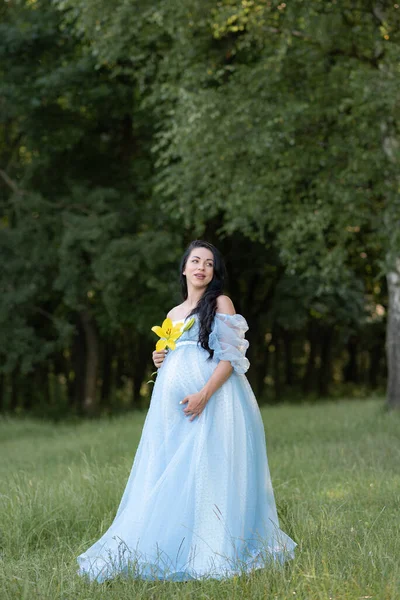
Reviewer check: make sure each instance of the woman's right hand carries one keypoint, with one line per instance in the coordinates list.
(158, 357)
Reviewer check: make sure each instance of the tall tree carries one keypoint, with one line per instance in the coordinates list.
(283, 122)
(78, 216)
(128, 129)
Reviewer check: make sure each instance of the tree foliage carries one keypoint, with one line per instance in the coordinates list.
(128, 129)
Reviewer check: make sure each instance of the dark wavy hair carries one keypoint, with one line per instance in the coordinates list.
(207, 305)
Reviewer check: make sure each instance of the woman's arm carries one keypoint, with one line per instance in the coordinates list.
(197, 402)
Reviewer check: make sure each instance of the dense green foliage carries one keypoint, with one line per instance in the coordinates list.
(128, 129)
(335, 473)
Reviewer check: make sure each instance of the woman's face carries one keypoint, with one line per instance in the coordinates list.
(199, 268)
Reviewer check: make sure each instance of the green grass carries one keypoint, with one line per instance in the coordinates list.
(336, 474)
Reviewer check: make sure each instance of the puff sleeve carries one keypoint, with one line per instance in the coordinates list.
(228, 341)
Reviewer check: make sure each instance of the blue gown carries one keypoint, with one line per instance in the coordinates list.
(199, 501)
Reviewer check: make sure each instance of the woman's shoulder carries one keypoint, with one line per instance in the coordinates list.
(174, 312)
(225, 305)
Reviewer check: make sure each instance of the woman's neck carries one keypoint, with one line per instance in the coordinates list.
(193, 298)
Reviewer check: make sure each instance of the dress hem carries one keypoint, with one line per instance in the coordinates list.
(143, 570)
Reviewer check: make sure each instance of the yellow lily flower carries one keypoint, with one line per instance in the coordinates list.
(168, 334)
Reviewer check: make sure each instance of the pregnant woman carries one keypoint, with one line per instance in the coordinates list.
(199, 501)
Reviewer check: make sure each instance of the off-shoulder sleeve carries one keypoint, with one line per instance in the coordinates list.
(228, 341)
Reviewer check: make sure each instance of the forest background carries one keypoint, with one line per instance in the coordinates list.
(127, 129)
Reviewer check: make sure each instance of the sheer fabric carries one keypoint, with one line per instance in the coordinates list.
(199, 501)
(228, 341)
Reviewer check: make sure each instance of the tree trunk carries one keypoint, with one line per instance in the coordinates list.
(287, 344)
(393, 338)
(14, 391)
(141, 356)
(351, 371)
(106, 372)
(261, 364)
(120, 371)
(40, 383)
(138, 360)
(92, 361)
(29, 392)
(309, 375)
(2, 393)
(258, 356)
(277, 355)
(325, 370)
(76, 388)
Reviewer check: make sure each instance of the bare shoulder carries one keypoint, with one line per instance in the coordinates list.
(225, 305)
(174, 312)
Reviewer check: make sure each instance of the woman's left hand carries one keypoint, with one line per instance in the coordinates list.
(195, 404)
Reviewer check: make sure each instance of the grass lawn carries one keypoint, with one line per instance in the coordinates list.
(336, 474)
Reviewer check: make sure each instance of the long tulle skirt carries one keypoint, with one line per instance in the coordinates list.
(199, 501)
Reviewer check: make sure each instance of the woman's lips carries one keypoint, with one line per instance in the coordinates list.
(200, 276)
